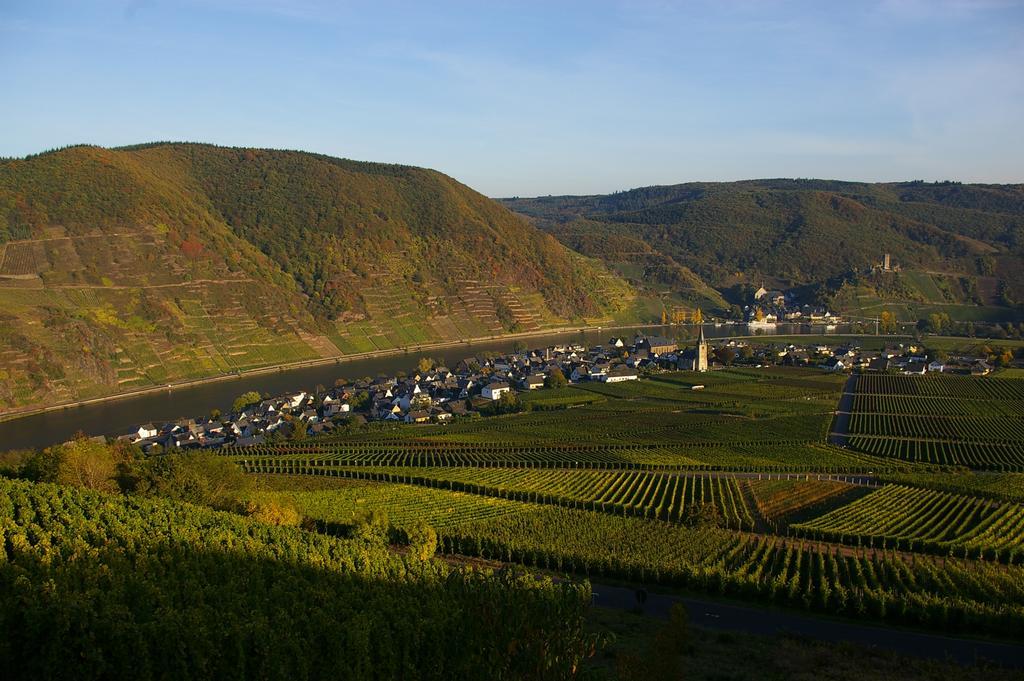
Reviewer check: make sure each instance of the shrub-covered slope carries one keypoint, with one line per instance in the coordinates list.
(806, 232)
(123, 268)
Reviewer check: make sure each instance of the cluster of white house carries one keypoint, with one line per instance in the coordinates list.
(436, 395)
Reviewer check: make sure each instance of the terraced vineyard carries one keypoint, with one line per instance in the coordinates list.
(999, 486)
(942, 385)
(979, 455)
(777, 501)
(936, 406)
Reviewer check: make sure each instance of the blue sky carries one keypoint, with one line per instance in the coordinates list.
(526, 98)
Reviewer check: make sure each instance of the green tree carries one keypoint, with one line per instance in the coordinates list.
(555, 379)
(422, 540)
(372, 528)
(245, 399)
(87, 463)
(197, 477)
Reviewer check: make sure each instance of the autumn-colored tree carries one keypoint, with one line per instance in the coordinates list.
(425, 364)
(273, 512)
(698, 316)
(887, 322)
(191, 248)
(759, 314)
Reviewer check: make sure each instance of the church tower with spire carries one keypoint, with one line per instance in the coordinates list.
(701, 363)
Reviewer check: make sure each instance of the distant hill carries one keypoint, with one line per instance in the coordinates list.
(122, 268)
(961, 245)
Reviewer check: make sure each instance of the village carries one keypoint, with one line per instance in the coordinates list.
(484, 385)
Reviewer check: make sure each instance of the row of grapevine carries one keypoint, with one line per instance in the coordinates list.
(988, 456)
(945, 593)
(962, 387)
(99, 587)
(867, 403)
(964, 428)
(916, 519)
(774, 456)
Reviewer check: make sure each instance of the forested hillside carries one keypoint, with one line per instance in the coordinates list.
(967, 241)
(126, 268)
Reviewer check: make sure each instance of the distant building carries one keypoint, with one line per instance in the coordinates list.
(619, 374)
(658, 345)
(696, 359)
(494, 391)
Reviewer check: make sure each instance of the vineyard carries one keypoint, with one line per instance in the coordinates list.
(942, 385)
(957, 429)
(345, 501)
(912, 519)
(940, 420)
(949, 594)
(115, 587)
(780, 501)
(730, 490)
(661, 496)
(981, 456)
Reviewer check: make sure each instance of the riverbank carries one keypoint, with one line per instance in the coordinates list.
(14, 414)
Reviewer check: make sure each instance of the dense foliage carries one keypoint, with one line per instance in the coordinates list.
(110, 587)
(798, 231)
(122, 268)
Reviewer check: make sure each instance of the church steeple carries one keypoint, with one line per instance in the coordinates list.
(701, 363)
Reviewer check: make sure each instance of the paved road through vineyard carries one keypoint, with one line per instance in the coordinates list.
(712, 614)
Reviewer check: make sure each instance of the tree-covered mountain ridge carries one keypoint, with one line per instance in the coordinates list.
(135, 266)
(968, 239)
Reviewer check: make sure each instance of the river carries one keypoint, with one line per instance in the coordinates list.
(120, 416)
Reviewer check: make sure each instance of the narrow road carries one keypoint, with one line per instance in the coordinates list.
(712, 614)
(841, 427)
